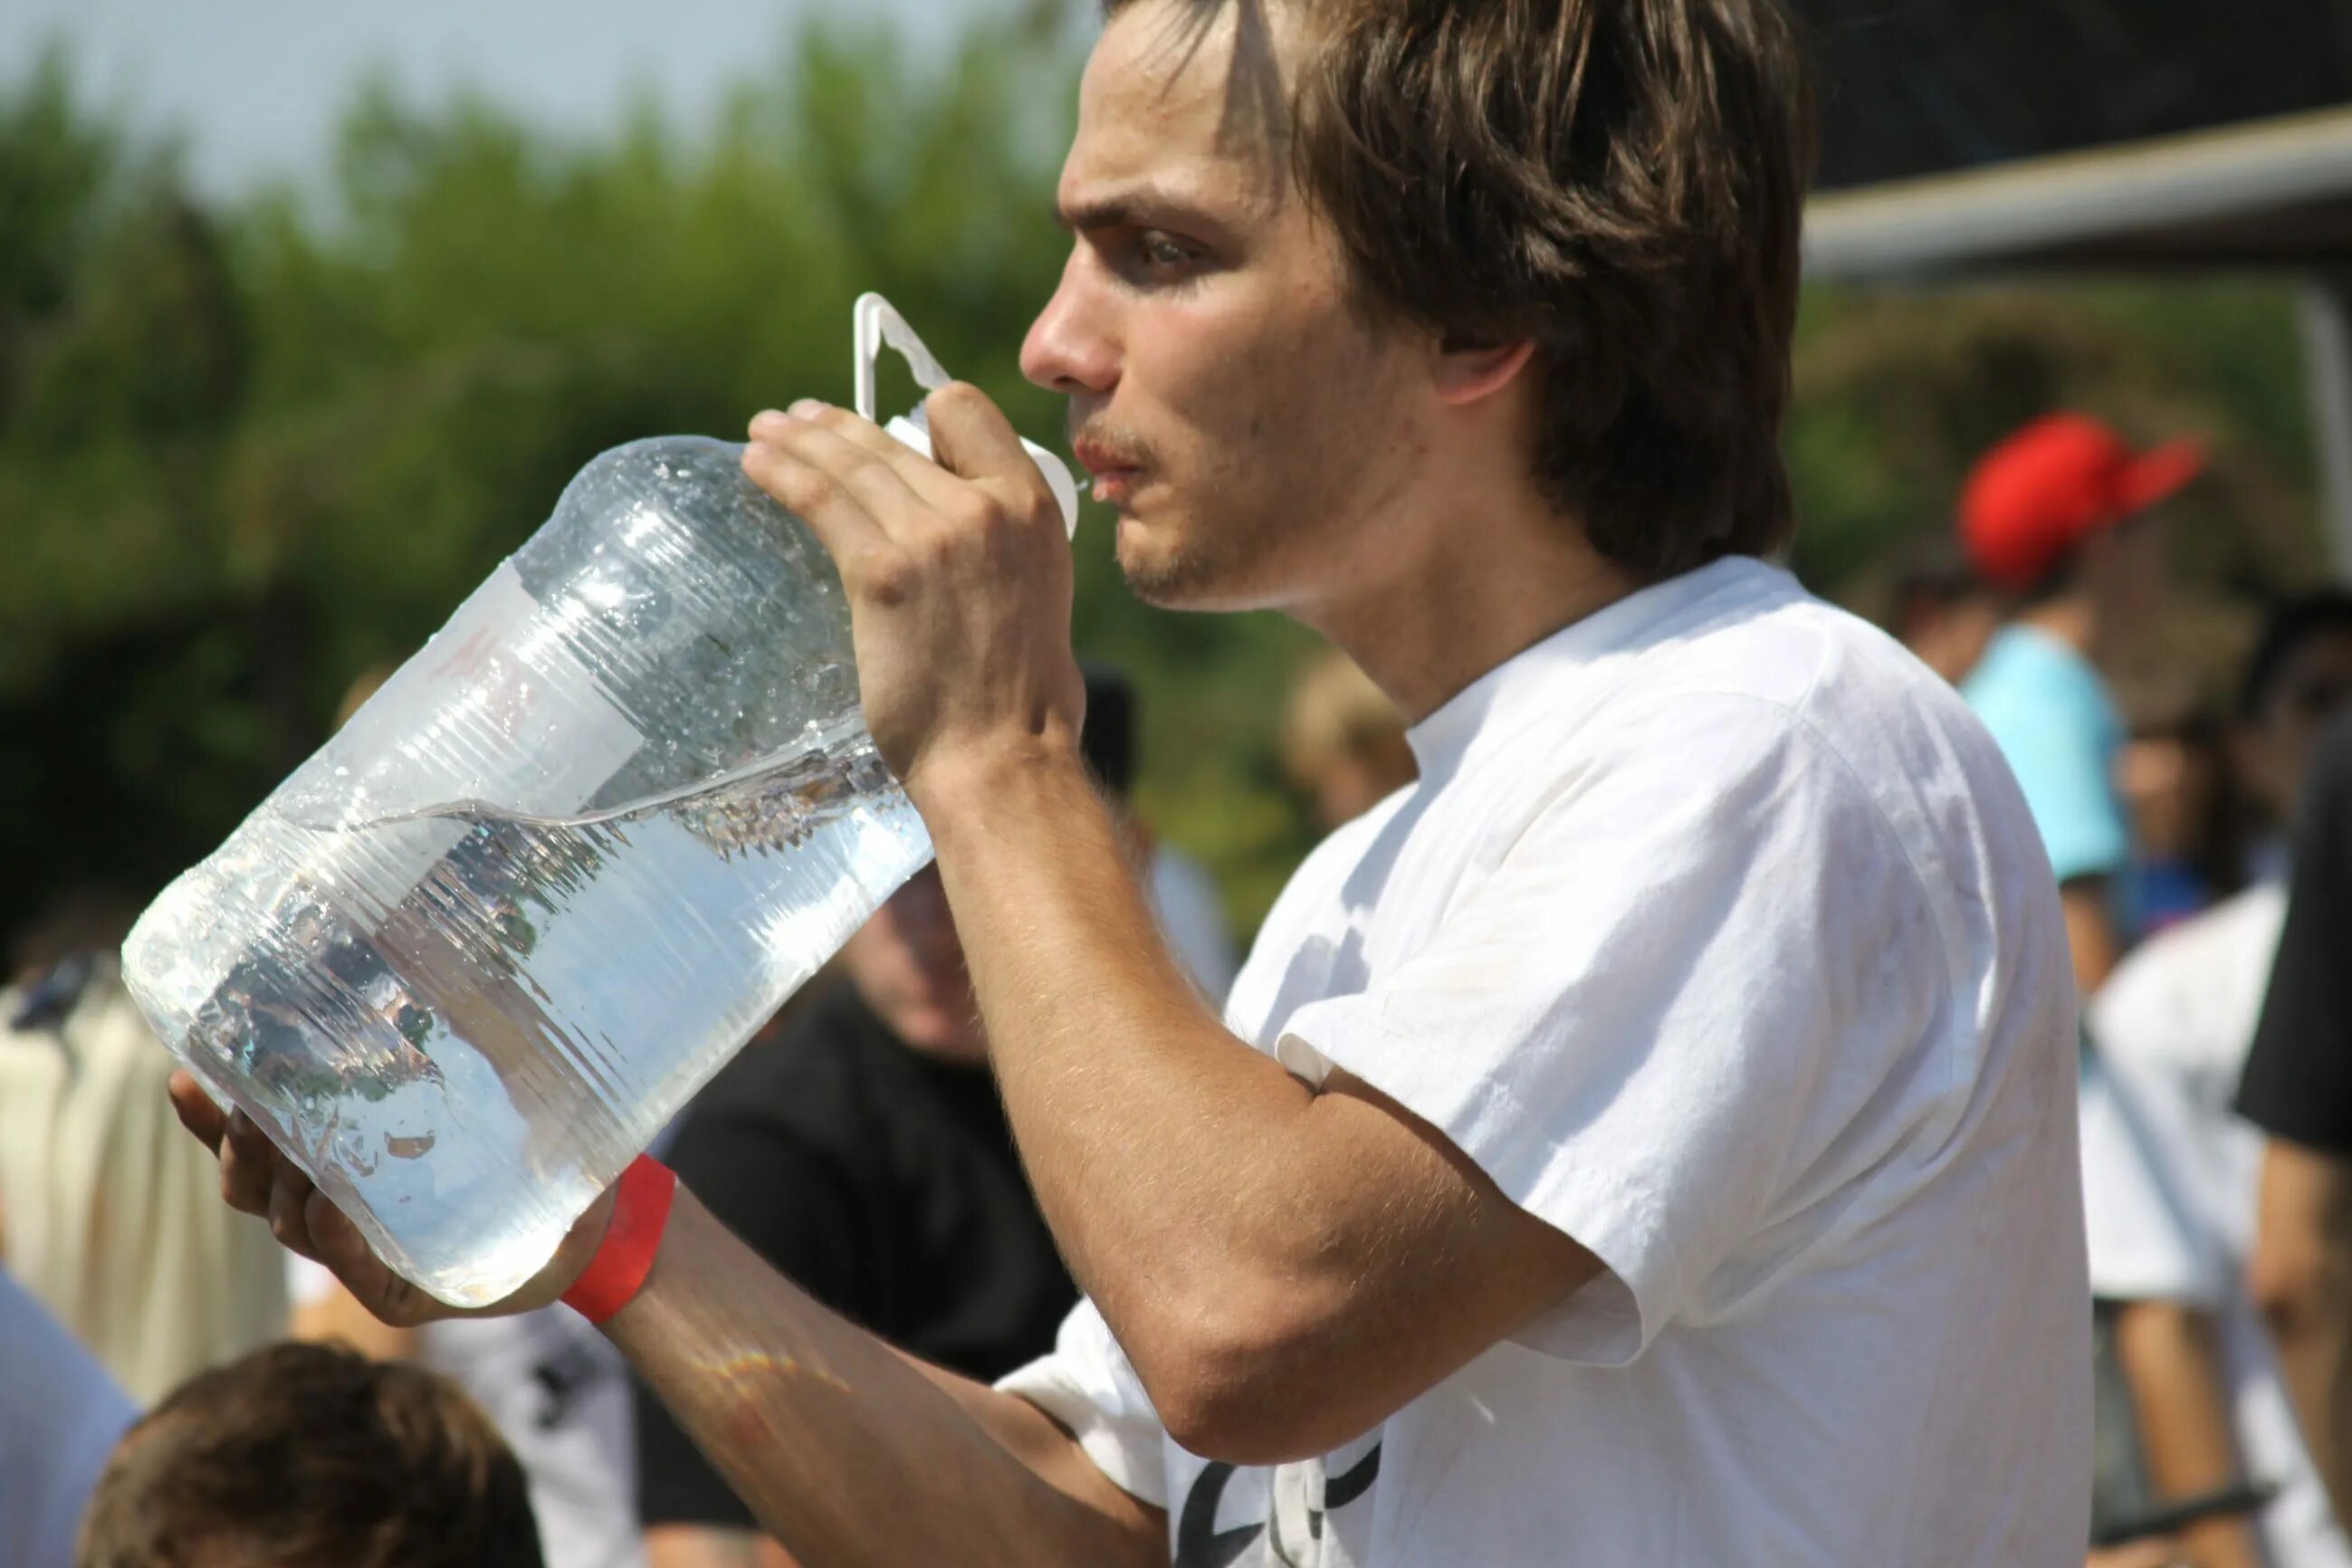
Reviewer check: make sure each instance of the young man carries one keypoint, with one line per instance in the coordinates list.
(2173, 1025)
(1650, 1138)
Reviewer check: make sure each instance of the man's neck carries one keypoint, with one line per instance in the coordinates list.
(1426, 633)
(2072, 619)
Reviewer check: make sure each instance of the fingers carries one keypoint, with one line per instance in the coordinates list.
(974, 437)
(289, 1198)
(848, 494)
(249, 1166)
(924, 478)
(209, 1122)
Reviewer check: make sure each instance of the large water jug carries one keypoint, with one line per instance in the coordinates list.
(469, 959)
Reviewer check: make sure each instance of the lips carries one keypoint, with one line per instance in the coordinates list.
(1115, 469)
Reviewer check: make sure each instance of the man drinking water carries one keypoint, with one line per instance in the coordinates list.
(1648, 1140)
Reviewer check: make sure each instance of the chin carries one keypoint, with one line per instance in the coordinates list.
(1170, 573)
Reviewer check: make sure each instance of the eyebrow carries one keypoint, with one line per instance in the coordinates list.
(1139, 207)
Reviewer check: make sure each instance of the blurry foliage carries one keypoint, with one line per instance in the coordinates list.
(247, 451)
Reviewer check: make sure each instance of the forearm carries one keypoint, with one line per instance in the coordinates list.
(846, 1450)
(1142, 1120)
(2298, 1275)
(2187, 1432)
(1283, 1266)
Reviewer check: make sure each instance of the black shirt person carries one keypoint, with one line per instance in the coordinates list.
(2299, 1089)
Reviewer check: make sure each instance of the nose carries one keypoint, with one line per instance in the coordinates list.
(1071, 347)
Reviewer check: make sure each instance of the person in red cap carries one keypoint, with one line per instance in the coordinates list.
(2057, 518)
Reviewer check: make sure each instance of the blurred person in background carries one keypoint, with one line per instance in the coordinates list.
(2189, 815)
(1941, 609)
(909, 1214)
(2057, 517)
(103, 1216)
(2298, 1089)
(2173, 1026)
(60, 1417)
(302, 1456)
(1343, 742)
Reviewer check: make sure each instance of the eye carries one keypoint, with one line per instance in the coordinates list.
(1164, 251)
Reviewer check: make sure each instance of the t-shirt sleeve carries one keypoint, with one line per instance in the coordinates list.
(786, 1201)
(2064, 772)
(1675, 1017)
(2298, 1076)
(1086, 1384)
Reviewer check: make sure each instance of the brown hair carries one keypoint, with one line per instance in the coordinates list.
(304, 1455)
(1619, 182)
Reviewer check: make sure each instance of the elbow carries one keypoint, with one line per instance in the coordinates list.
(1250, 1377)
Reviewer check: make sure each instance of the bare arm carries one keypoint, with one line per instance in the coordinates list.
(2170, 1358)
(1284, 1268)
(846, 1450)
(834, 1438)
(2301, 1278)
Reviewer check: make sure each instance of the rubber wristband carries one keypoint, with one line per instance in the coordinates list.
(625, 1256)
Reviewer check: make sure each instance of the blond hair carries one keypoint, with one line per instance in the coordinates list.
(1336, 711)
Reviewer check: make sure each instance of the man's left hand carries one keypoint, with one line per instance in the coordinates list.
(958, 574)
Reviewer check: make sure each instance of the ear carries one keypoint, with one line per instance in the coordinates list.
(1466, 373)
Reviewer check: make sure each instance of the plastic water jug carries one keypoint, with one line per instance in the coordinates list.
(469, 959)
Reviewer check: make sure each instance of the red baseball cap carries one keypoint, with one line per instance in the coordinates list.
(2053, 484)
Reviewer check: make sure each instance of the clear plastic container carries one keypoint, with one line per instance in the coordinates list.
(468, 960)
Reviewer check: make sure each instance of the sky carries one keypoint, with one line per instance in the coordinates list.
(256, 86)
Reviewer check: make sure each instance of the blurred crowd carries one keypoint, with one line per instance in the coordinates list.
(2202, 852)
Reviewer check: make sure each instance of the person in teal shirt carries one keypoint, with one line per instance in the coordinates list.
(2048, 708)
(2055, 518)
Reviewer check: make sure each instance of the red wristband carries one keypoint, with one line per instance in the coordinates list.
(625, 1256)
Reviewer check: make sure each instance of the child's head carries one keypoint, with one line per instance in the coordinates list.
(302, 1456)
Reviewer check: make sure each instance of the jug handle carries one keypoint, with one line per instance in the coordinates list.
(875, 325)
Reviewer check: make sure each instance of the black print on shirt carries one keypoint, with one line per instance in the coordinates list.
(564, 1376)
(1201, 1544)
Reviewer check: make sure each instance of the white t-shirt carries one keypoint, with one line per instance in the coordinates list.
(1716, 933)
(559, 1392)
(2173, 1025)
(60, 1417)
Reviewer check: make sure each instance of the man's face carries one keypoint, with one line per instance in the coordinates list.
(906, 962)
(2313, 687)
(1250, 430)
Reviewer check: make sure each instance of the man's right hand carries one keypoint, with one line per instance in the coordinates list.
(843, 1448)
(257, 1179)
